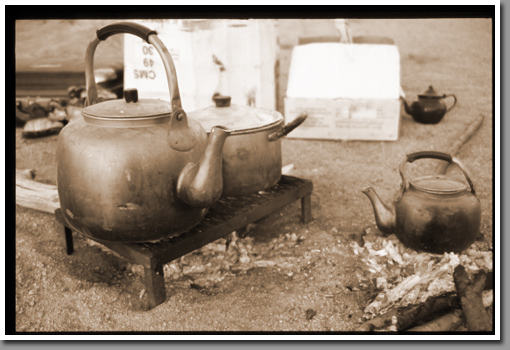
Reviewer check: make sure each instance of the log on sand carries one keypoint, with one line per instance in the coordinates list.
(35, 195)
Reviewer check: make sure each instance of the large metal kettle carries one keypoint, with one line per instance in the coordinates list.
(430, 107)
(136, 170)
(434, 213)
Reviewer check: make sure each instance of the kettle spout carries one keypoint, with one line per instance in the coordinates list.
(200, 185)
(384, 216)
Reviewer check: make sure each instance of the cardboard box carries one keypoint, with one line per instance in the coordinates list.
(349, 91)
(345, 119)
(246, 48)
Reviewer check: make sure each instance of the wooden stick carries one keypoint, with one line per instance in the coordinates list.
(35, 195)
(464, 137)
(470, 295)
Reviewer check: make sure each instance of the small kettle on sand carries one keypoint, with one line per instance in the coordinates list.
(433, 213)
(430, 107)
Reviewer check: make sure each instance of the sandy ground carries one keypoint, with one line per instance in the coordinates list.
(93, 290)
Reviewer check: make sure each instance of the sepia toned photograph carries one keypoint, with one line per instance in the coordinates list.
(329, 175)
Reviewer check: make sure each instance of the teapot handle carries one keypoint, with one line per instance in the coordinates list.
(148, 35)
(454, 101)
(437, 155)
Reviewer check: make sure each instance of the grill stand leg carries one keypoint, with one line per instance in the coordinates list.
(306, 209)
(69, 240)
(155, 285)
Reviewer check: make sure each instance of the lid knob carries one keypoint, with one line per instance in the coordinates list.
(430, 93)
(222, 101)
(131, 95)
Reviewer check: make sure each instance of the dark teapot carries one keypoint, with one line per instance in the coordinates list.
(430, 107)
(432, 213)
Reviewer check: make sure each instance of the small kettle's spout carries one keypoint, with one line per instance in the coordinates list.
(384, 216)
(200, 185)
(406, 106)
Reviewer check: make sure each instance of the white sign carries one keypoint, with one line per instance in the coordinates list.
(245, 48)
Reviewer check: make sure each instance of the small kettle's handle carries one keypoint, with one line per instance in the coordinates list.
(454, 101)
(437, 155)
(150, 36)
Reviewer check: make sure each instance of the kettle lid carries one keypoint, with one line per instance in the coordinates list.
(438, 184)
(129, 107)
(430, 93)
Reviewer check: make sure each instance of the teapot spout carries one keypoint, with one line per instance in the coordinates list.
(384, 216)
(406, 106)
(200, 185)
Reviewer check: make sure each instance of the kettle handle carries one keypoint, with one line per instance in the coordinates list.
(288, 127)
(148, 35)
(454, 101)
(125, 28)
(437, 155)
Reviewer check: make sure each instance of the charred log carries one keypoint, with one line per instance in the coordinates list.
(470, 296)
(430, 310)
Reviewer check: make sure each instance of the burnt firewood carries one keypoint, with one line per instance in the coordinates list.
(470, 296)
(452, 320)
(444, 323)
(412, 314)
